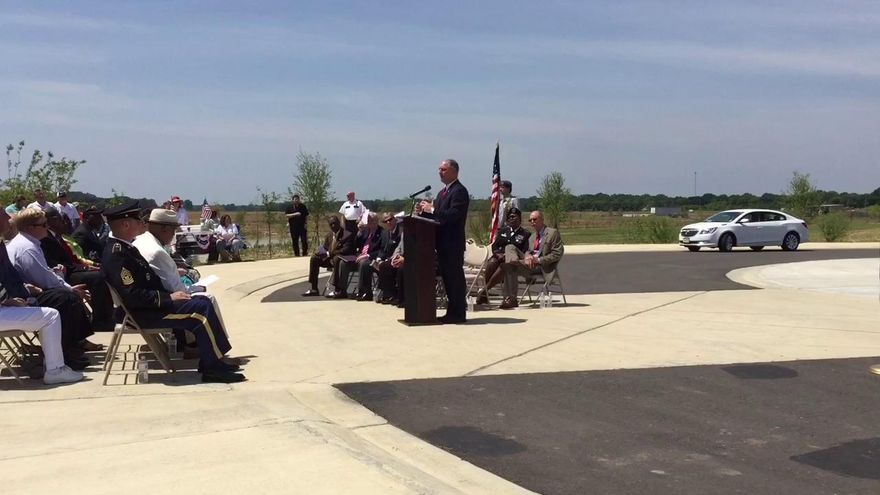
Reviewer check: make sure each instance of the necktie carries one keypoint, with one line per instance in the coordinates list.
(537, 242)
(443, 192)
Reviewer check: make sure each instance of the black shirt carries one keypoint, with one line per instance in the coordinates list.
(298, 222)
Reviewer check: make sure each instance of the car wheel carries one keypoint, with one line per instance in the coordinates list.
(756, 248)
(791, 241)
(693, 249)
(726, 242)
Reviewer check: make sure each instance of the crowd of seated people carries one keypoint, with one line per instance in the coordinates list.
(380, 251)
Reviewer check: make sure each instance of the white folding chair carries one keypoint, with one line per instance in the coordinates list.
(475, 259)
(152, 336)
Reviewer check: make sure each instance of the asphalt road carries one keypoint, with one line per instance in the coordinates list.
(806, 427)
(617, 273)
(803, 428)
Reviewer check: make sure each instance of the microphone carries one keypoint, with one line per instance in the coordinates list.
(426, 188)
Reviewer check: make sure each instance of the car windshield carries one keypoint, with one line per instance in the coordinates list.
(724, 216)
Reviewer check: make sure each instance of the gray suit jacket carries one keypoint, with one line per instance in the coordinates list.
(551, 250)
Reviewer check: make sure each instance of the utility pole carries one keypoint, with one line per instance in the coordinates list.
(699, 201)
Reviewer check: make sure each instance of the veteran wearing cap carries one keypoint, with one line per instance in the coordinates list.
(161, 225)
(88, 236)
(154, 306)
(67, 209)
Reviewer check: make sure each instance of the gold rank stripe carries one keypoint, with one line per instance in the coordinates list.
(204, 322)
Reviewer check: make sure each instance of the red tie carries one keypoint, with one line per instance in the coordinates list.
(443, 193)
(537, 241)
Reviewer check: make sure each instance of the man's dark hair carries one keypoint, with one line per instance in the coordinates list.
(507, 184)
(452, 163)
(514, 211)
(296, 196)
(52, 213)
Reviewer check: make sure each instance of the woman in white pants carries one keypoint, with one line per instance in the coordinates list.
(15, 314)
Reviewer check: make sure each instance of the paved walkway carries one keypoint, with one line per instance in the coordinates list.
(288, 430)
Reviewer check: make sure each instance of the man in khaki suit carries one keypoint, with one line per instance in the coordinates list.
(542, 257)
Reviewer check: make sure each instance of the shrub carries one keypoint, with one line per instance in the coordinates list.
(653, 230)
(874, 212)
(834, 226)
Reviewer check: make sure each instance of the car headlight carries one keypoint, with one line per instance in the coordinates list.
(710, 230)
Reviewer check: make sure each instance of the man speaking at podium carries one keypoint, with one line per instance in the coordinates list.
(450, 212)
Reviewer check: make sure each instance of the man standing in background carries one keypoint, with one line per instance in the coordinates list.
(352, 210)
(296, 214)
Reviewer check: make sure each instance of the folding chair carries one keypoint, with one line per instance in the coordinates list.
(549, 282)
(9, 352)
(475, 259)
(152, 336)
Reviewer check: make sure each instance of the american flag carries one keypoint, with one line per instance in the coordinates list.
(496, 192)
(206, 210)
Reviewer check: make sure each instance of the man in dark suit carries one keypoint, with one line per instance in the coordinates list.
(370, 243)
(339, 242)
(86, 234)
(450, 211)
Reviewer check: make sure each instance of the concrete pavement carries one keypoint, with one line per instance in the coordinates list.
(289, 430)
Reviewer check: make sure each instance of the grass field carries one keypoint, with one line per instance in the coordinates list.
(579, 228)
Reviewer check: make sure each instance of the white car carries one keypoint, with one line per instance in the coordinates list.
(752, 228)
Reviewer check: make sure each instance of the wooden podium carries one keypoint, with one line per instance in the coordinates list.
(419, 271)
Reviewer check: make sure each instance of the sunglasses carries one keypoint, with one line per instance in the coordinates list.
(533, 220)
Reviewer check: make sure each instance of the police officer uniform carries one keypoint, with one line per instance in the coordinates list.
(151, 305)
(507, 235)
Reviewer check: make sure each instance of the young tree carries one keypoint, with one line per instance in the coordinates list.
(269, 202)
(312, 182)
(802, 197)
(43, 172)
(554, 198)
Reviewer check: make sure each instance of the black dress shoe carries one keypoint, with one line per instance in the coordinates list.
(220, 376)
(340, 295)
(220, 365)
(482, 297)
(509, 304)
(77, 364)
(448, 320)
(366, 296)
(311, 293)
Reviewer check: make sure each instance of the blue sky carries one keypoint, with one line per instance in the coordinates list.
(215, 99)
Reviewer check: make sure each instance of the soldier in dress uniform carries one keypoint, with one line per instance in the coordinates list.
(512, 233)
(152, 306)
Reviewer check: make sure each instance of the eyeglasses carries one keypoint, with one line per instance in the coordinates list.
(533, 220)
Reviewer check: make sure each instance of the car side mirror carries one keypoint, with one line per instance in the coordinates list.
(743, 220)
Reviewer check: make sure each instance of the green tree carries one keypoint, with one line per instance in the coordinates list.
(269, 205)
(801, 195)
(312, 182)
(554, 199)
(44, 172)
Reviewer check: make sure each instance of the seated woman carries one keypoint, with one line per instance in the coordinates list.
(229, 241)
(513, 233)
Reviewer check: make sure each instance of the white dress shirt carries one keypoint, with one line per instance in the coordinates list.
(182, 216)
(45, 206)
(27, 257)
(352, 211)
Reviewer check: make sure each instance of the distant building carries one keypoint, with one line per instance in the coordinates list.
(666, 211)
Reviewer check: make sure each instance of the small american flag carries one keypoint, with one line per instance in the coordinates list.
(206, 210)
(496, 193)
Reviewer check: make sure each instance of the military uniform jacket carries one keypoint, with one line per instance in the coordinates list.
(92, 246)
(518, 237)
(139, 287)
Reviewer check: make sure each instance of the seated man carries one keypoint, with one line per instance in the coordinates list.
(27, 257)
(512, 233)
(390, 277)
(16, 314)
(386, 274)
(87, 234)
(339, 242)
(543, 257)
(152, 305)
(161, 225)
(76, 271)
(369, 243)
